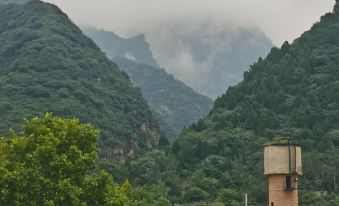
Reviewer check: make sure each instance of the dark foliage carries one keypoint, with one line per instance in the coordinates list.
(174, 104)
(47, 64)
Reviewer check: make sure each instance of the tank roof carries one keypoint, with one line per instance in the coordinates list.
(282, 142)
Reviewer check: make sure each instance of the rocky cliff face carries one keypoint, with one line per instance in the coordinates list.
(149, 140)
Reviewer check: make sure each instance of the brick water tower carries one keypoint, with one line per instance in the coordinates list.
(282, 162)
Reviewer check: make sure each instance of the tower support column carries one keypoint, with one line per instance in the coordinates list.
(282, 190)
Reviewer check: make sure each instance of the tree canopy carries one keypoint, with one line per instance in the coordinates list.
(53, 162)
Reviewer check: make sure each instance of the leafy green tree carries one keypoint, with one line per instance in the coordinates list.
(153, 195)
(310, 198)
(195, 194)
(53, 162)
(228, 197)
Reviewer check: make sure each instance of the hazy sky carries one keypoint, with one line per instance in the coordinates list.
(280, 19)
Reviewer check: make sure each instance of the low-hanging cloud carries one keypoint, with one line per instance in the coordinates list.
(280, 20)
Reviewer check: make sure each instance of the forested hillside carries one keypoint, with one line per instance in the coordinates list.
(48, 65)
(293, 93)
(174, 104)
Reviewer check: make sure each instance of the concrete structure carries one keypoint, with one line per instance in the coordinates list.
(282, 162)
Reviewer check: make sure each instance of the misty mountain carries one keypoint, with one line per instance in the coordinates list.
(208, 57)
(174, 104)
(48, 65)
(136, 48)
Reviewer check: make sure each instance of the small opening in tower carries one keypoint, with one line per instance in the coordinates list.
(272, 203)
(288, 182)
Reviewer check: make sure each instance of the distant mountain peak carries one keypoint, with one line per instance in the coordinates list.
(135, 48)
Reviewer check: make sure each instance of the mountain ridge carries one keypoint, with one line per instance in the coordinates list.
(48, 65)
(173, 103)
(135, 48)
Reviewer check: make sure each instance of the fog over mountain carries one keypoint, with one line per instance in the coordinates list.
(195, 39)
(208, 56)
(280, 20)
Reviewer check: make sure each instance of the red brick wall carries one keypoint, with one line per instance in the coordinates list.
(277, 191)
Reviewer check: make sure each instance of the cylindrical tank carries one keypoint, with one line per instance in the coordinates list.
(282, 159)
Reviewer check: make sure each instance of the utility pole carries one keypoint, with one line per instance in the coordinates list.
(245, 199)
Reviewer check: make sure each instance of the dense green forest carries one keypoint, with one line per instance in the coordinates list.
(48, 65)
(294, 93)
(174, 104)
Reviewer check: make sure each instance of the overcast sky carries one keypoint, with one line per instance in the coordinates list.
(280, 19)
